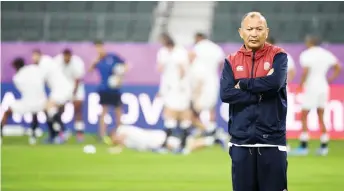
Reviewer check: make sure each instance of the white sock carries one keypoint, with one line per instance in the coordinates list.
(56, 126)
(209, 141)
(170, 123)
(52, 111)
(79, 126)
(324, 138)
(185, 124)
(211, 127)
(304, 137)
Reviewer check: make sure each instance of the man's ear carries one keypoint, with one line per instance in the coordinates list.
(240, 32)
(267, 33)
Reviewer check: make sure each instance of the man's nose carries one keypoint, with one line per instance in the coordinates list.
(254, 33)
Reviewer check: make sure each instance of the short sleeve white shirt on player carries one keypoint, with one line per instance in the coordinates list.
(291, 62)
(205, 70)
(174, 87)
(316, 89)
(30, 82)
(318, 60)
(74, 70)
(61, 89)
(208, 58)
(172, 61)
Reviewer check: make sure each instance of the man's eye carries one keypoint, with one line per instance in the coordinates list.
(249, 29)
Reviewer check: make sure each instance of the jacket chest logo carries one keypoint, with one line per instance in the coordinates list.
(266, 66)
(240, 68)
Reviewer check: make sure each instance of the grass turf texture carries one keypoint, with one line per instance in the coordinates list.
(67, 168)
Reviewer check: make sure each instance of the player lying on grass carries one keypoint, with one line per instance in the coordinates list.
(140, 139)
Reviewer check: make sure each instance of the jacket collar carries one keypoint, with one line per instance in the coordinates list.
(258, 54)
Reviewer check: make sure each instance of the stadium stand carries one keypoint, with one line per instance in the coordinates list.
(289, 21)
(133, 20)
(76, 21)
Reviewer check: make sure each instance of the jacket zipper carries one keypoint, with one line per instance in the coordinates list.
(252, 70)
(254, 53)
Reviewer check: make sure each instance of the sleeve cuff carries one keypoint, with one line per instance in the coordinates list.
(243, 84)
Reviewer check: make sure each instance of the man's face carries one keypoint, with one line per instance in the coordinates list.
(254, 32)
(163, 41)
(99, 48)
(36, 57)
(66, 58)
(197, 39)
(308, 42)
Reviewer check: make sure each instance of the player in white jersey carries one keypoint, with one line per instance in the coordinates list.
(291, 62)
(174, 88)
(30, 83)
(206, 59)
(316, 62)
(73, 67)
(61, 91)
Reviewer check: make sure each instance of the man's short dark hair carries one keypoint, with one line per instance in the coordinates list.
(201, 35)
(271, 40)
(168, 39)
(18, 63)
(315, 39)
(98, 42)
(67, 52)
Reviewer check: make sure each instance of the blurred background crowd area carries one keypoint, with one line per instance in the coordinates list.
(143, 21)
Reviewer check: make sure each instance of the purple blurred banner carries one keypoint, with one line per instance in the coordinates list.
(141, 57)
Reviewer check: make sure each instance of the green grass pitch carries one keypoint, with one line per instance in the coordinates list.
(67, 168)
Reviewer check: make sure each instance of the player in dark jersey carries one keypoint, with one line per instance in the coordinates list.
(111, 69)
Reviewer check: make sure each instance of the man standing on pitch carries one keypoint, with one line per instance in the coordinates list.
(253, 82)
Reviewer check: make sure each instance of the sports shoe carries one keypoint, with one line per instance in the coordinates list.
(115, 150)
(107, 140)
(322, 151)
(80, 137)
(298, 152)
(58, 140)
(182, 151)
(161, 150)
(32, 140)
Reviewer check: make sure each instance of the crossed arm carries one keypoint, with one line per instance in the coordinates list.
(271, 83)
(228, 93)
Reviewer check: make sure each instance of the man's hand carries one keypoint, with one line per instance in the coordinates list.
(271, 71)
(237, 86)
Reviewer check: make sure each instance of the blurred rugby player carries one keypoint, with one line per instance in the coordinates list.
(206, 58)
(111, 68)
(73, 67)
(174, 89)
(30, 83)
(316, 62)
(61, 91)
